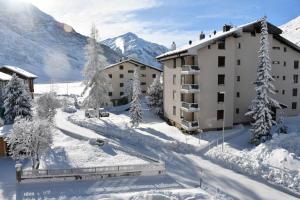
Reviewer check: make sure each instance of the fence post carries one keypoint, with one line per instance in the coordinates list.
(18, 172)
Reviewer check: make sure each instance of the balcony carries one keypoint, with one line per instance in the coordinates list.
(190, 125)
(190, 107)
(190, 88)
(190, 69)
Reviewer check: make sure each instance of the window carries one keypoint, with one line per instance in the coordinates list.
(221, 79)
(181, 97)
(276, 48)
(284, 49)
(144, 91)
(174, 79)
(130, 71)
(221, 61)
(238, 62)
(295, 78)
(283, 78)
(295, 92)
(220, 97)
(143, 83)
(121, 84)
(174, 94)
(294, 105)
(181, 114)
(174, 63)
(283, 92)
(110, 94)
(276, 91)
(143, 67)
(237, 110)
(284, 63)
(121, 67)
(253, 33)
(276, 62)
(182, 61)
(208, 46)
(296, 64)
(174, 110)
(121, 76)
(239, 45)
(238, 94)
(153, 75)
(121, 93)
(238, 78)
(221, 44)
(143, 75)
(110, 75)
(220, 114)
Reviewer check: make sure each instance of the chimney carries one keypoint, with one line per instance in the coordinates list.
(173, 46)
(226, 27)
(202, 35)
(190, 42)
(215, 32)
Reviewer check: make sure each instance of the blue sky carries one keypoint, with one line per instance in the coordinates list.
(164, 21)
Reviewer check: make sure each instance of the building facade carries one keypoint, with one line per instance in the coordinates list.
(213, 79)
(27, 77)
(122, 72)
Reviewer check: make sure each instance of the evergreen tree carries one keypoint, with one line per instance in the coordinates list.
(155, 96)
(128, 89)
(135, 105)
(95, 77)
(17, 100)
(260, 109)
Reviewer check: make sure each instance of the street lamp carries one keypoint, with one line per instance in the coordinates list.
(223, 130)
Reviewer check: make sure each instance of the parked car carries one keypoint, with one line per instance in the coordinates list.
(103, 113)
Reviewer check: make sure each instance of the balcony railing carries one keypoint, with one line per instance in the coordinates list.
(190, 88)
(190, 125)
(190, 107)
(190, 69)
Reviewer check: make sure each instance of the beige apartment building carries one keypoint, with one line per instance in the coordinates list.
(213, 78)
(122, 72)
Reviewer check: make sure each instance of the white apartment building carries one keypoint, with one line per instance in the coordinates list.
(123, 71)
(213, 78)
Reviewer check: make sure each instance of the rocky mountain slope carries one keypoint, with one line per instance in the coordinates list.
(132, 46)
(35, 41)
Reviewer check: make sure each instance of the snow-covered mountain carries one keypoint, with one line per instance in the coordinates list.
(134, 47)
(291, 30)
(35, 41)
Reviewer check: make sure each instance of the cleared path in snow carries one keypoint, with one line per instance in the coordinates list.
(186, 169)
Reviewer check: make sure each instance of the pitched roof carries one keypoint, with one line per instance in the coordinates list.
(131, 60)
(192, 48)
(19, 71)
(4, 77)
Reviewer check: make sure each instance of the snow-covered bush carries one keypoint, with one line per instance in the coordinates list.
(29, 139)
(155, 96)
(17, 100)
(47, 105)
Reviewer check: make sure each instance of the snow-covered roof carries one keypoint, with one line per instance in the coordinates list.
(131, 60)
(19, 71)
(4, 77)
(195, 45)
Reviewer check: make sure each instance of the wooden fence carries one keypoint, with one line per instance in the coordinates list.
(90, 173)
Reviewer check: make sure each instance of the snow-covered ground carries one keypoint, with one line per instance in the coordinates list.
(75, 88)
(278, 160)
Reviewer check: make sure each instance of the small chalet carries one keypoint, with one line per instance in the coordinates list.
(27, 77)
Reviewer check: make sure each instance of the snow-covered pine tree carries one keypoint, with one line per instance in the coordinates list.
(47, 105)
(94, 76)
(155, 96)
(260, 109)
(29, 139)
(128, 89)
(135, 105)
(17, 100)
